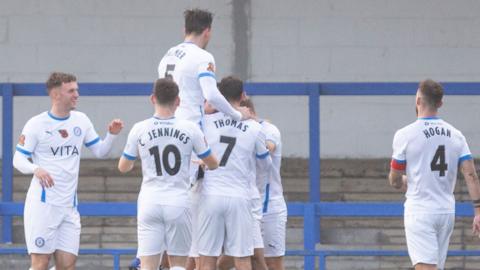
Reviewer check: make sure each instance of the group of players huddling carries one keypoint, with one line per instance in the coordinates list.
(211, 169)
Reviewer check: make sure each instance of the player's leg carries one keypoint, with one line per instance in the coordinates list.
(64, 260)
(68, 240)
(275, 263)
(178, 227)
(211, 229)
(207, 263)
(40, 225)
(243, 263)
(274, 229)
(164, 261)
(239, 230)
(151, 232)
(422, 242)
(258, 259)
(445, 223)
(190, 265)
(39, 261)
(225, 262)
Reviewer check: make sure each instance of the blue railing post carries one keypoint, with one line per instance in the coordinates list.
(7, 169)
(314, 140)
(309, 229)
(322, 261)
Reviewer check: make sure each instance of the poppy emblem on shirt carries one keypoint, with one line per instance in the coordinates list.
(77, 131)
(63, 132)
(211, 67)
(39, 242)
(21, 140)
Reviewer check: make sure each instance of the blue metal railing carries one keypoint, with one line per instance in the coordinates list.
(309, 211)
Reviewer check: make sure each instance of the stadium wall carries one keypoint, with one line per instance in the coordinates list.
(260, 41)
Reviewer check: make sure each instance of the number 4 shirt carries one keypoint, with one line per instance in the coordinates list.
(430, 150)
(165, 147)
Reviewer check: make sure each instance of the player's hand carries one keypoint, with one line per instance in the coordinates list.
(404, 183)
(115, 126)
(199, 162)
(476, 225)
(43, 177)
(246, 113)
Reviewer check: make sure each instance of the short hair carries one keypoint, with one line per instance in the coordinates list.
(56, 79)
(432, 93)
(231, 88)
(249, 104)
(165, 91)
(197, 20)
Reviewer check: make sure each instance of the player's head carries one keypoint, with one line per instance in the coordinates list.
(429, 95)
(165, 93)
(198, 23)
(63, 90)
(232, 89)
(247, 102)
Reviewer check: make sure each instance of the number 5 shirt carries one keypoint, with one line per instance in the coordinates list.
(164, 147)
(430, 150)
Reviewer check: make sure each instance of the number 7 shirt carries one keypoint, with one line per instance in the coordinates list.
(430, 150)
(165, 147)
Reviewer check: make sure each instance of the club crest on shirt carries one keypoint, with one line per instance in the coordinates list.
(21, 140)
(39, 242)
(77, 131)
(63, 132)
(211, 67)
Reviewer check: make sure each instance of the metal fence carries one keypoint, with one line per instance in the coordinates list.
(311, 211)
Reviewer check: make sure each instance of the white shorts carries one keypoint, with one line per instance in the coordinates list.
(162, 227)
(428, 236)
(274, 228)
(50, 227)
(225, 222)
(256, 206)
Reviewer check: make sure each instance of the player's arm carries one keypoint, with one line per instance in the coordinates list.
(263, 158)
(26, 145)
(100, 148)
(202, 149)
(130, 152)
(467, 168)
(396, 177)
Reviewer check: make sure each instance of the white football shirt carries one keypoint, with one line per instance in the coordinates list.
(186, 63)
(430, 150)
(237, 144)
(55, 144)
(273, 196)
(164, 147)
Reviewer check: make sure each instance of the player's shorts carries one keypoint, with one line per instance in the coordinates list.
(225, 222)
(428, 236)
(162, 227)
(256, 206)
(274, 228)
(50, 227)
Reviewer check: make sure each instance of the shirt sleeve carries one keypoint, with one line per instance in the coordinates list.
(273, 135)
(91, 136)
(131, 147)
(465, 153)
(28, 140)
(200, 145)
(399, 146)
(261, 149)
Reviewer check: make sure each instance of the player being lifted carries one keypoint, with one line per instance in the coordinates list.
(225, 218)
(165, 144)
(193, 69)
(429, 151)
(53, 140)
